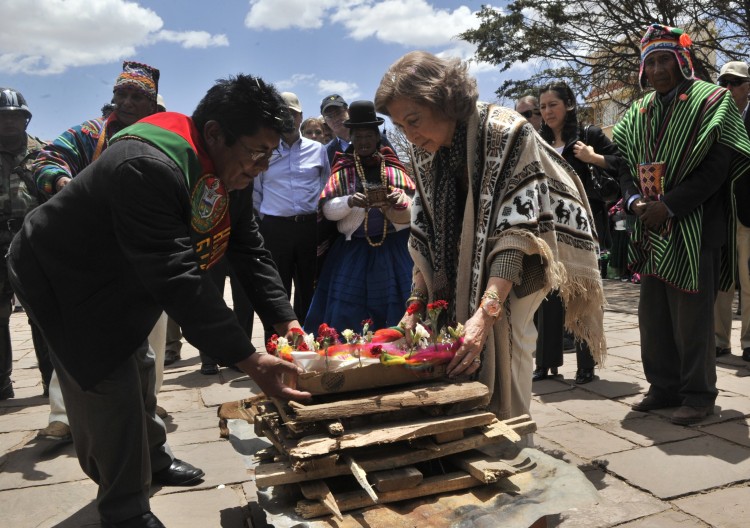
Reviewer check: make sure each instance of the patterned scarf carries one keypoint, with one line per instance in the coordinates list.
(683, 130)
(450, 167)
(176, 136)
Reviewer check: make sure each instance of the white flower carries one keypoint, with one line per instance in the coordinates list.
(309, 340)
(348, 334)
(282, 342)
(420, 332)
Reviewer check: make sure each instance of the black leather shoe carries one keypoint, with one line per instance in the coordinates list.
(723, 351)
(584, 375)
(651, 403)
(687, 415)
(7, 391)
(542, 373)
(170, 356)
(208, 369)
(145, 520)
(746, 354)
(178, 474)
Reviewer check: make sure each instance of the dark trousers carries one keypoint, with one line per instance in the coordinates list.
(243, 308)
(678, 344)
(550, 319)
(118, 438)
(293, 246)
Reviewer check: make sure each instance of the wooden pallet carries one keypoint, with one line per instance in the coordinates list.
(383, 441)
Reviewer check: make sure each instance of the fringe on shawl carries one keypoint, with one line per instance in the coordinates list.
(579, 286)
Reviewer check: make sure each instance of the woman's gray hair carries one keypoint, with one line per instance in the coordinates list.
(444, 84)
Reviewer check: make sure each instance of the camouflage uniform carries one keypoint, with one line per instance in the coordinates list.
(18, 196)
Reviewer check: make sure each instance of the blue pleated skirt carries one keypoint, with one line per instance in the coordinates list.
(361, 282)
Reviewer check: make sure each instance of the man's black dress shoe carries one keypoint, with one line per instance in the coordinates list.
(170, 356)
(584, 375)
(542, 373)
(723, 351)
(178, 474)
(651, 403)
(145, 520)
(746, 354)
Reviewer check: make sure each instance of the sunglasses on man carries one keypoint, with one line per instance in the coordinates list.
(528, 113)
(732, 82)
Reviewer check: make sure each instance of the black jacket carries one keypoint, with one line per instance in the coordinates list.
(99, 262)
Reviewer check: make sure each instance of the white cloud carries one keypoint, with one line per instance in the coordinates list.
(348, 90)
(411, 23)
(295, 80)
(283, 14)
(50, 36)
(192, 39)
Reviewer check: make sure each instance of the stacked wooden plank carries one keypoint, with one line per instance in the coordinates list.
(358, 449)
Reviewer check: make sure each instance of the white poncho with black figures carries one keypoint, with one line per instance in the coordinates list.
(521, 196)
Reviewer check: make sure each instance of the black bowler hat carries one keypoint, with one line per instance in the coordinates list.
(362, 115)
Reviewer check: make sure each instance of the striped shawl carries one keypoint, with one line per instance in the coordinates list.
(702, 115)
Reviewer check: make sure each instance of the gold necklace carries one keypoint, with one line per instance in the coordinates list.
(384, 181)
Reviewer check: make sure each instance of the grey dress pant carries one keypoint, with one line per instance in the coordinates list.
(118, 438)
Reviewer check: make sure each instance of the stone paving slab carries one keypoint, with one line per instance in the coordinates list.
(679, 468)
(646, 430)
(586, 406)
(619, 503)
(585, 440)
(666, 519)
(736, 431)
(613, 384)
(728, 508)
(40, 463)
(224, 507)
(66, 505)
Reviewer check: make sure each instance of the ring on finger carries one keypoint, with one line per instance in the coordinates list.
(476, 361)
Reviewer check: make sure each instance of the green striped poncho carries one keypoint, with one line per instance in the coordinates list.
(702, 115)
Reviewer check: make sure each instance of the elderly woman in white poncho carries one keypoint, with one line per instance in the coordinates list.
(484, 235)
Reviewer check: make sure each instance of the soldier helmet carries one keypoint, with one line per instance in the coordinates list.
(11, 99)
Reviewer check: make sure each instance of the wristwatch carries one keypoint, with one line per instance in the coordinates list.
(492, 307)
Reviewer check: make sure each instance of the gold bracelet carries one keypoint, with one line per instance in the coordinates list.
(491, 294)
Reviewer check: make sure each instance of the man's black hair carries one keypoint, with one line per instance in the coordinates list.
(242, 105)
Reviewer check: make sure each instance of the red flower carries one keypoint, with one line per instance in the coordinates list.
(302, 347)
(376, 350)
(296, 330)
(327, 334)
(438, 305)
(271, 347)
(367, 322)
(413, 308)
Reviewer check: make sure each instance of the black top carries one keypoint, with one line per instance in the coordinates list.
(99, 262)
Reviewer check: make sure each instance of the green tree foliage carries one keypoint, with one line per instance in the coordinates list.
(595, 45)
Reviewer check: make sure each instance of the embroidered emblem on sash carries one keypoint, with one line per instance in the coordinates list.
(210, 203)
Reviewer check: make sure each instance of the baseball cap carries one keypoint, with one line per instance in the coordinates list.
(332, 100)
(735, 69)
(292, 101)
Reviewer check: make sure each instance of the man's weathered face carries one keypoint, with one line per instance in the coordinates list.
(13, 122)
(132, 105)
(335, 117)
(662, 71)
(238, 165)
(739, 88)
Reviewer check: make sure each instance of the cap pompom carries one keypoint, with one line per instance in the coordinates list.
(685, 40)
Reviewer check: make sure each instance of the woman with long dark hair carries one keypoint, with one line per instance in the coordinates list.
(581, 147)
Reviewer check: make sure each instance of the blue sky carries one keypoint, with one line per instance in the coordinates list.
(64, 55)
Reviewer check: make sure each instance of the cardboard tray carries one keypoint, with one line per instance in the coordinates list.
(360, 378)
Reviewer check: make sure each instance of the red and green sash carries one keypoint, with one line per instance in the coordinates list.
(176, 136)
